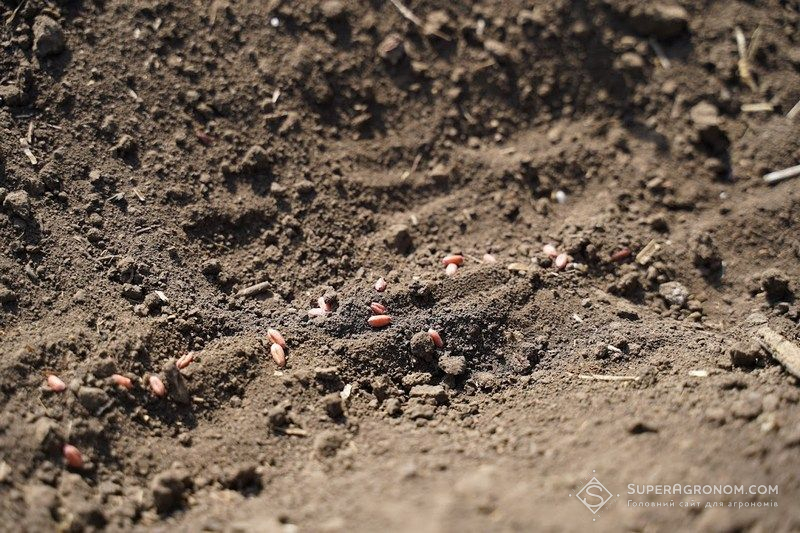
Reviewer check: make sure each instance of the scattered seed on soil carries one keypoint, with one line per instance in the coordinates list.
(621, 254)
(278, 355)
(451, 269)
(379, 321)
(377, 308)
(72, 456)
(380, 285)
(276, 337)
(324, 305)
(436, 338)
(157, 386)
(185, 360)
(453, 260)
(561, 261)
(489, 258)
(56, 384)
(316, 311)
(550, 251)
(122, 381)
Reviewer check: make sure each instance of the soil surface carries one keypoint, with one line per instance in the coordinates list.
(178, 177)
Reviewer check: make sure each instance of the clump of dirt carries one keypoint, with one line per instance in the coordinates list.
(178, 178)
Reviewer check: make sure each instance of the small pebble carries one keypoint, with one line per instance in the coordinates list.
(72, 456)
(278, 355)
(436, 338)
(561, 261)
(276, 337)
(489, 258)
(316, 311)
(380, 285)
(56, 384)
(451, 269)
(377, 308)
(157, 386)
(379, 321)
(453, 260)
(122, 381)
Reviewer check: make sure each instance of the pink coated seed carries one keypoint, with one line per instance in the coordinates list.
(380, 285)
(314, 312)
(276, 337)
(72, 456)
(453, 260)
(56, 384)
(157, 386)
(451, 269)
(377, 308)
(379, 321)
(122, 381)
(278, 355)
(185, 361)
(489, 258)
(436, 338)
(324, 304)
(561, 261)
(550, 251)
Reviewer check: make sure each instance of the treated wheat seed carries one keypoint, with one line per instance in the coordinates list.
(324, 304)
(122, 381)
(278, 355)
(377, 308)
(316, 311)
(379, 321)
(436, 338)
(276, 337)
(380, 285)
(550, 251)
(451, 269)
(561, 261)
(185, 361)
(621, 254)
(489, 258)
(453, 260)
(72, 456)
(56, 384)
(157, 386)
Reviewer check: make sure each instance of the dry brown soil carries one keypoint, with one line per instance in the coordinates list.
(158, 157)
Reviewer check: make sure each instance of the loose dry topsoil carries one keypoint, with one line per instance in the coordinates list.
(160, 158)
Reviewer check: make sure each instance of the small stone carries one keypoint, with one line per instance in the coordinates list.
(416, 378)
(708, 125)
(48, 37)
(211, 267)
(278, 416)
(429, 392)
(18, 203)
(454, 365)
(332, 9)
(662, 21)
(393, 407)
(168, 489)
(674, 293)
(422, 346)
(398, 239)
(92, 398)
(176, 384)
(630, 62)
(747, 407)
(745, 354)
(776, 285)
(327, 443)
(256, 159)
(333, 405)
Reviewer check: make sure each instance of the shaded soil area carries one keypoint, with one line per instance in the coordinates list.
(179, 178)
